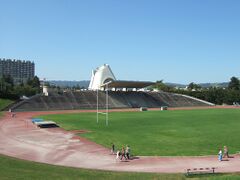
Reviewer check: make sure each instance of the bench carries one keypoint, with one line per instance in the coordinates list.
(143, 109)
(195, 171)
(164, 108)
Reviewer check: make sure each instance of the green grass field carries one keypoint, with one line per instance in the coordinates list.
(162, 133)
(11, 168)
(4, 103)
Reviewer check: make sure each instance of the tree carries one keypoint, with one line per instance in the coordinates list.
(6, 84)
(13, 91)
(234, 84)
(35, 83)
(193, 86)
(161, 86)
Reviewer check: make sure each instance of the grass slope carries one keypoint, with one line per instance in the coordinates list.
(165, 133)
(4, 103)
(11, 168)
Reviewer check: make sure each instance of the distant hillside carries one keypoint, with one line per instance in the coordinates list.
(175, 85)
(204, 85)
(83, 84)
(207, 85)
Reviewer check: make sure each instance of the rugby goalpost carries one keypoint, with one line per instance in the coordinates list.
(107, 108)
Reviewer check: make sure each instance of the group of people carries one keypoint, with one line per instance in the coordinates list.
(223, 154)
(123, 153)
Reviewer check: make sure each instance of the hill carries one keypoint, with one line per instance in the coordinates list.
(204, 85)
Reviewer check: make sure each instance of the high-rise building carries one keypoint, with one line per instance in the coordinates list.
(19, 70)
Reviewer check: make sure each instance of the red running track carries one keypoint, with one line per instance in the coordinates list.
(21, 139)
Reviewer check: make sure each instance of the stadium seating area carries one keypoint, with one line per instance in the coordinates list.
(117, 99)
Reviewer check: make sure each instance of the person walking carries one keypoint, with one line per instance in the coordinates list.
(220, 155)
(128, 150)
(113, 149)
(225, 152)
(118, 155)
(123, 153)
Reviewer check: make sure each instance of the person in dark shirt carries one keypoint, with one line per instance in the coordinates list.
(128, 151)
(113, 149)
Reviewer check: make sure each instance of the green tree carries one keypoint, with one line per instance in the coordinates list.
(6, 84)
(35, 82)
(13, 91)
(194, 86)
(161, 86)
(234, 83)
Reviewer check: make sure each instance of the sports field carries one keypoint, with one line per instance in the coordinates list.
(161, 133)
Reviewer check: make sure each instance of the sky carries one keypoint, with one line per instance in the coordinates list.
(171, 40)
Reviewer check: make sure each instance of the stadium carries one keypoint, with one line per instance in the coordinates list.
(120, 94)
(175, 133)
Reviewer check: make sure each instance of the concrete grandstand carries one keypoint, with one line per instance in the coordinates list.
(121, 94)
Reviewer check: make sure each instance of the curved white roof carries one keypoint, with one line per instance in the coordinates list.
(100, 76)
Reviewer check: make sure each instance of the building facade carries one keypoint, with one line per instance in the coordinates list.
(19, 70)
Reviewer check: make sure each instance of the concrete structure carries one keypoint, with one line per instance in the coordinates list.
(19, 70)
(101, 76)
(116, 100)
(46, 90)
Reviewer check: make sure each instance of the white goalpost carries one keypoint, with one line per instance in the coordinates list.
(106, 110)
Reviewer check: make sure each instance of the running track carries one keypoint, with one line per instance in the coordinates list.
(21, 139)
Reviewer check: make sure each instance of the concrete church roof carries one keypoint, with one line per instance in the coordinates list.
(128, 84)
(103, 76)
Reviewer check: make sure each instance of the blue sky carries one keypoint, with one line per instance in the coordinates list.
(177, 41)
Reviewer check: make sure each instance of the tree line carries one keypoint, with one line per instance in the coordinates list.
(10, 90)
(216, 95)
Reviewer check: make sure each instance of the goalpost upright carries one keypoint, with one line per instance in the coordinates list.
(107, 108)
